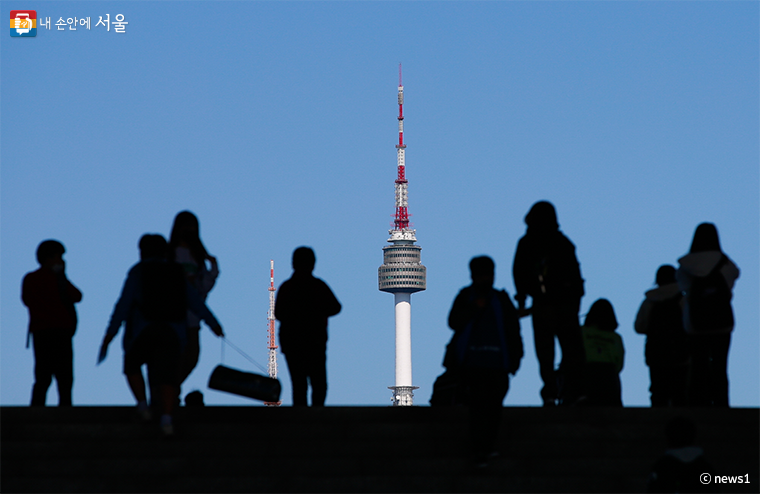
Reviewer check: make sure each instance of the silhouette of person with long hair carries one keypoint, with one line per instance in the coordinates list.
(50, 297)
(706, 275)
(487, 347)
(546, 269)
(667, 347)
(186, 248)
(154, 304)
(303, 305)
(604, 356)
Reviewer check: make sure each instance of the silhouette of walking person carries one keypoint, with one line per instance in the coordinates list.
(303, 305)
(50, 298)
(487, 347)
(187, 249)
(706, 275)
(667, 347)
(154, 304)
(546, 269)
(604, 356)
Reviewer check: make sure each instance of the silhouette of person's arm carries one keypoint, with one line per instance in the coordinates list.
(522, 273)
(121, 310)
(512, 334)
(462, 311)
(200, 309)
(331, 304)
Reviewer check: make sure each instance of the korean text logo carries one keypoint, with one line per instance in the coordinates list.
(23, 23)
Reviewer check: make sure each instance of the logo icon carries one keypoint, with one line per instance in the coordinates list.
(23, 23)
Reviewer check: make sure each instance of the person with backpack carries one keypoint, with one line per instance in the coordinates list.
(666, 353)
(50, 297)
(546, 269)
(706, 276)
(485, 349)
(604, 356)
(154, 304)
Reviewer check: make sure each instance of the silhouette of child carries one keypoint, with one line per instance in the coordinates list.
(50, 297)
(604, 356)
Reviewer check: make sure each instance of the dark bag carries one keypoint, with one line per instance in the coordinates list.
(246, 384)
(710, 302)
(448, 389)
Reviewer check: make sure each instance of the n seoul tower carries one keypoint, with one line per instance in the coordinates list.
(402, 273)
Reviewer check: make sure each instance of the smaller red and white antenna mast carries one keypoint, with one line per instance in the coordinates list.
(272, 346)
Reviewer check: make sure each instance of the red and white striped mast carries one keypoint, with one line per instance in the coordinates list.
(401, 221)
(272, 346)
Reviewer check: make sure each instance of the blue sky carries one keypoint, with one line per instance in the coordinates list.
(275, 122)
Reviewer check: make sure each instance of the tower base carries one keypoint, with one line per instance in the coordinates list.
(403, 396)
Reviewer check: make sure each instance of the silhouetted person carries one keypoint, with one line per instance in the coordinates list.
(154, 304)
(50, 297)
(667, 348)
(303, 305)
(706, 275)
(546, 269)
(604, 356)
(487, 347)
(186, 248)
(682, 466)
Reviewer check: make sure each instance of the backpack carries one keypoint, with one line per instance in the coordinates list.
(710, 302)
(557, 273)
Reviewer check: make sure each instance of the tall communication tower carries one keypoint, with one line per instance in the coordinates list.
(402, 273)
(272, 367)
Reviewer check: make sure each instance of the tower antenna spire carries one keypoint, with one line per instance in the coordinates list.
(402, 272)
(272, 346)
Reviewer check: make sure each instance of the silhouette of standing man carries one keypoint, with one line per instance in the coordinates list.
(50, 297)
(547, 270)
(487, 348)
(303, 305)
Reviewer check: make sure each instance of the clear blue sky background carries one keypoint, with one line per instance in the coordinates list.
(276, 124)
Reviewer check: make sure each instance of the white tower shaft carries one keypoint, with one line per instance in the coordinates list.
(403, 338)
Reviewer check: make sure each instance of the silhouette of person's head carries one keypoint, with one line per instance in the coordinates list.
(680, 432)
(482, 270)
(542, 216)
(666, 274)
(49, 251)
(303, 260)
(705, 238)
(152, 246)
(186, 231)
(602, 316)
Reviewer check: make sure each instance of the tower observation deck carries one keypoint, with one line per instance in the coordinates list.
(402, 272)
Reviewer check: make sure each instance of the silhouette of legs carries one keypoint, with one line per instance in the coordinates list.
(190, 354)
(668, 385)
(53, 356)
(708, 380)
(308, 367)
(485, 391)
(561, 321)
